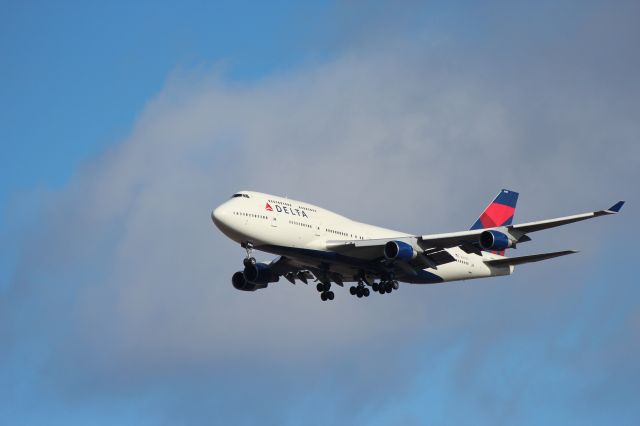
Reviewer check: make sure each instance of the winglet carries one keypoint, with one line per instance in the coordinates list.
(616, 207)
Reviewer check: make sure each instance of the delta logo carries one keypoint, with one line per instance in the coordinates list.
(287, 210)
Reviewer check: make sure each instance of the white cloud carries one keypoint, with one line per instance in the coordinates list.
(128, 274)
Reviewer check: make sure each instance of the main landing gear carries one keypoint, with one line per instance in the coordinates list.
(386, 286)
(325, 291)
(360, 290)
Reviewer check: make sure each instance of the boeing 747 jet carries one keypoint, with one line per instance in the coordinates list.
(316, 244)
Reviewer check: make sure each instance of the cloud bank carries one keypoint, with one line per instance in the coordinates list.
(122, 303)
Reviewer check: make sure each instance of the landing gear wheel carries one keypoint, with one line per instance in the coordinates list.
(320, 287)
(323, 296)
(330, 295)
(352, 290)
(249, 261)
(395, 285)
(359, 294)
(366, 292)
(326, 286)
(374, 286)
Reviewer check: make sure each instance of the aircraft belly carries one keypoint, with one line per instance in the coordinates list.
(343, 265)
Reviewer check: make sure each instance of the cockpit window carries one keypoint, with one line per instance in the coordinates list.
(239, 195)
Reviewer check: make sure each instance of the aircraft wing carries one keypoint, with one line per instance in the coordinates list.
(550, 223)
(373, 249)
(454, 239)
(432, 245)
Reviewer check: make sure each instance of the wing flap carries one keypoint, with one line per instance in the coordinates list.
(441, 257)
(450, 239)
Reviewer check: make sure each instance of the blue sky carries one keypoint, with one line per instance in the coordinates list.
(76, 74)
(123, 125)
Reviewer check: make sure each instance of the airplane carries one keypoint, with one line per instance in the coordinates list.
(312, 243)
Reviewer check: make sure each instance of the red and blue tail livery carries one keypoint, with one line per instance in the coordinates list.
(500, 212)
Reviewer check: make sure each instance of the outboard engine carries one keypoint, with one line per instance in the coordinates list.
(399, 250)
(496, 240)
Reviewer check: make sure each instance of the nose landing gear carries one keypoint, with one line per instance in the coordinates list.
(249, 260)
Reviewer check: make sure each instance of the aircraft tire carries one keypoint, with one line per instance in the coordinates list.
(320, 287)
(352, 290)
(396, 285)
(366, 292)
(323, 296)
(374, 286)
(330, 295)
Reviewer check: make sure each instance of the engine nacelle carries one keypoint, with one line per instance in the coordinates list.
(495, 240)
(260, 273)
(399, 250)
(240, 283)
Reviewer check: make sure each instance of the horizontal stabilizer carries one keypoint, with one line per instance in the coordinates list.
(512, 261)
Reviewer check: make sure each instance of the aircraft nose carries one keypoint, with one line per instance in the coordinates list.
(218, 215)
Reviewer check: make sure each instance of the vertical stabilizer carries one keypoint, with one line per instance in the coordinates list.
(500, 212)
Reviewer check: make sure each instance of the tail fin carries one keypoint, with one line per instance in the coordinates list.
(500, 212)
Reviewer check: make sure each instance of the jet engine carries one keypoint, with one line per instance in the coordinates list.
(240, 283)
(496, 240)
(254, 277)
(260, 273)
(399, 250)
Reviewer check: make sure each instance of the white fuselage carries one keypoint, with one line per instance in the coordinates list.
(283, 226)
